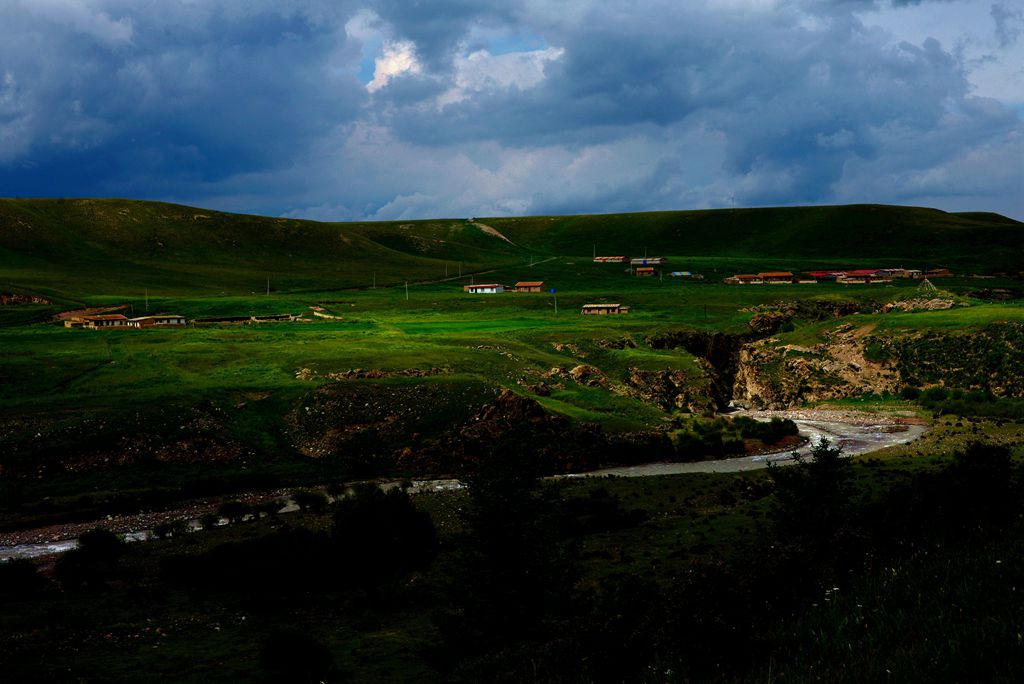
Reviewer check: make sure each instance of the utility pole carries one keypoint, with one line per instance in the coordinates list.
(553, 294)
(406, 290)
(147, 300)
(374, 280)
(268, 287)
(446, 270)
(460, 269)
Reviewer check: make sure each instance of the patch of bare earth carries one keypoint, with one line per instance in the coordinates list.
(494, 232)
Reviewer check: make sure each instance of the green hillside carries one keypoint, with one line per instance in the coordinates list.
(74, 248)
(831, 236)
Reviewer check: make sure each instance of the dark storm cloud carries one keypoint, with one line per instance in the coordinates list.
(178, 94)
(480, 107)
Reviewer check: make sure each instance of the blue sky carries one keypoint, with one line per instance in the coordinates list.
(401, 109)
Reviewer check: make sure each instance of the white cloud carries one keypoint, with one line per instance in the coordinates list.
(480, 70)
(399, 58)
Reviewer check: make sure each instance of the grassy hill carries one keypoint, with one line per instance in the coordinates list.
(73, 248)
(831, 236)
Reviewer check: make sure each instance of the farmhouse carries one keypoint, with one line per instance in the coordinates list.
(743, 279)
(603, 309)
(105, 321)
(609, 259)
(488, 288)
(158, 320)
(776, 277)
(529, 286)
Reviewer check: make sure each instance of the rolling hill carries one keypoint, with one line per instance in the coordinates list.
(69, 248)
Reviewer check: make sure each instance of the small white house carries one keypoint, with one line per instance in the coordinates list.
(486, 288)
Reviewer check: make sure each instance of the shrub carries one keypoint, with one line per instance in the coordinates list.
(234, 511)
(209, 520)
(93, 563)
(910, 393)
(310, 500)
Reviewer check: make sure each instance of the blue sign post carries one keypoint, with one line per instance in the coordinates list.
(556, 300)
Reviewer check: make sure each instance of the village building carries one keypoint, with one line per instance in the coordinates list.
(686, 274)
(648, 261)
(487, 288)
(603, 309)
(158, 320)
(777, 277)
(529, 286)
(645, 271)
(743, 279)
(609, 259)
(938, 273)
(105, 321)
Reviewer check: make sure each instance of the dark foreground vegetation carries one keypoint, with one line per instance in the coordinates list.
(830, 570)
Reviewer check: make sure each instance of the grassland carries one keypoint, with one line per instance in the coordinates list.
(271, 398)
(686, 578)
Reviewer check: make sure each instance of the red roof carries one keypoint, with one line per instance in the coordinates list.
(861, 272)
(105, 317)
(776, 274)
(530, 283)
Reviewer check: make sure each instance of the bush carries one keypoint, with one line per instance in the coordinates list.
(93, 563)
(171, 528)
(910, 393)
(209, 520)
(935, 394)
(234, 511)
(310, 501)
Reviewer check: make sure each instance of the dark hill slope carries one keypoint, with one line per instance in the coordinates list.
(923, 237)
(119, 245)
(69, 247)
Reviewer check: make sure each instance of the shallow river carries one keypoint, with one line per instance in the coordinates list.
(855, 436)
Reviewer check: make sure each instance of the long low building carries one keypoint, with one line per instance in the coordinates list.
(101, 321)
(603, 309)
(120, 321)
(157, 320)
(529, 286)
(648, 261)
(610, 259)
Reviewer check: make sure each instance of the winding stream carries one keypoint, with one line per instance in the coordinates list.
(856, 436)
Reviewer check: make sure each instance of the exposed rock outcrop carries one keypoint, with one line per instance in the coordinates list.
(671, 390)
(776, 376)
(718, 354)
